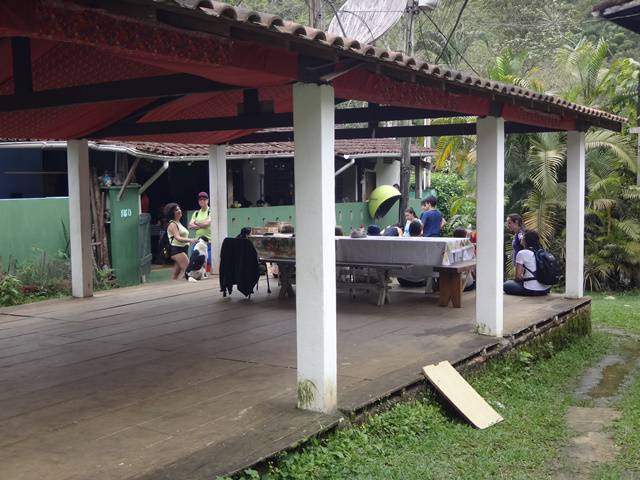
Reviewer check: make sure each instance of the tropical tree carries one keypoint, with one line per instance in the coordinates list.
(535, 165)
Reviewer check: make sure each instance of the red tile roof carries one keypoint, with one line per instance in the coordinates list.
(274, 23)
(352, 148)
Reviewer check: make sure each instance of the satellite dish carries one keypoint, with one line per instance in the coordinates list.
(367, 20)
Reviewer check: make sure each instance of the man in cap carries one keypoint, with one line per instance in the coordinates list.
(201, 222)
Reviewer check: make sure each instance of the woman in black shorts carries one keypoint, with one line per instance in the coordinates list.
(178, 239)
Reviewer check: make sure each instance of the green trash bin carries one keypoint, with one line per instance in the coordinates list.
(123, 235)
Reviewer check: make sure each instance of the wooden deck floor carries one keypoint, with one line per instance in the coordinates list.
(172, 381)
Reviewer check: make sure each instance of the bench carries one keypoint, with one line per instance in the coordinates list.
(380, 281)
(286, 268)
(451, 282)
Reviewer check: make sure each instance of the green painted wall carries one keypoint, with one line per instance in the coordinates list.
(348, 215)
(32, 223)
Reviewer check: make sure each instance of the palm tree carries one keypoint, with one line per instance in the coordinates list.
(509, 68)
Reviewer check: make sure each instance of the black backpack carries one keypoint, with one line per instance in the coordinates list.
(547, 268)
(164, 245)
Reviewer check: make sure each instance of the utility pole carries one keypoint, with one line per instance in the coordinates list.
(638, 125)
(636, 130)
(315, 14)
(405, 162)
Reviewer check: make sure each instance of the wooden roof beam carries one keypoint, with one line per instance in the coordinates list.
(392, 132)
(149, 87)
(260, 120)
(22, 74)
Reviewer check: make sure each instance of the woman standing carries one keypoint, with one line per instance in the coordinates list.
(178, 239)
(410, 216)
(514, 225)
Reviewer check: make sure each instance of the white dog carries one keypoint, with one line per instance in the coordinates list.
(197, 263)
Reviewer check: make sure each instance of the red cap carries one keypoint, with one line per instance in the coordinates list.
(203, 195)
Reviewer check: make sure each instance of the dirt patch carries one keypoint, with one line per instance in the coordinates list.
(599, 388)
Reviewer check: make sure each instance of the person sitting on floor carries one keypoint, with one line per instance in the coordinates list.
(525, 283)
(469, 277)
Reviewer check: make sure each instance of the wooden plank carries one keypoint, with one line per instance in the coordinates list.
(461, 395)
(187, 391)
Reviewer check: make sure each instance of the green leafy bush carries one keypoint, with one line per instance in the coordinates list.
(45, 276)
(454, 200)
(10, 291)
(448, 187)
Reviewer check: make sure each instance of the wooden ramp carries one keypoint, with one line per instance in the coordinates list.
(462, 396)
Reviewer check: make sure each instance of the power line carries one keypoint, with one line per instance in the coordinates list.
(452, 46)
(455, 25)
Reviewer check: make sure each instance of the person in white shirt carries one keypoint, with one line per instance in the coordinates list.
(410, 216)
(525, 283)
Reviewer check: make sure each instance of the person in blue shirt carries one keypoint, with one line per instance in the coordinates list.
(431, 218)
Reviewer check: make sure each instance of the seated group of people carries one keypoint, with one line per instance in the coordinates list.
(525, 245)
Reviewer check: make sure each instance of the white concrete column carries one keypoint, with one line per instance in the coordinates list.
(313, 123)
(80, 218)
(387, 173)
(217, 200)
(490, 225)
(574, 273)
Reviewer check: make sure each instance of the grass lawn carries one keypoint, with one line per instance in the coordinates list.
(623, 312)
(617, 310)
(422, 440)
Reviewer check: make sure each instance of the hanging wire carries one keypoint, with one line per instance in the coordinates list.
(455, 25)
(452, 45)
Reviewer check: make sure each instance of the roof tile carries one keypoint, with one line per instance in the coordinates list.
(245, 16)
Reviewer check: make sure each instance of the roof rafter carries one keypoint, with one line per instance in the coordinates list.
(149, 87)
(452, 129)
(264, 120)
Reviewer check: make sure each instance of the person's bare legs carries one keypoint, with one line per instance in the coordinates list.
(181, 261)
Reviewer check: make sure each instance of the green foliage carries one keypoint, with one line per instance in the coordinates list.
(448, 187)
(307, 391)
(10, 291)
(627, 432)
(104, 279)
(45, 276)
(617, 310)
(415, 439)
